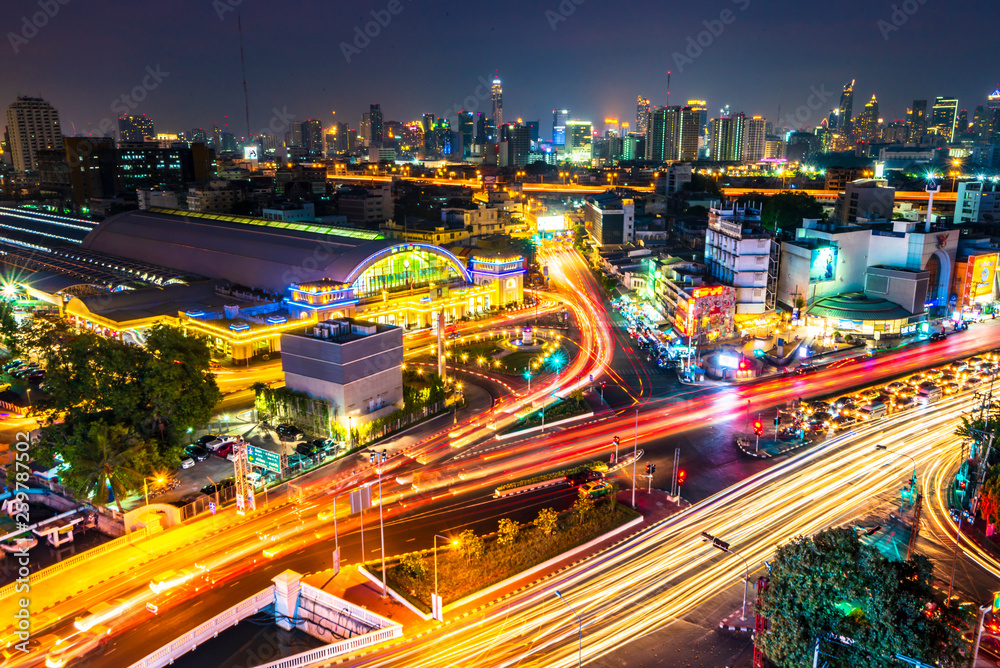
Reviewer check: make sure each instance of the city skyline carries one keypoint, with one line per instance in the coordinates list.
(178, 91)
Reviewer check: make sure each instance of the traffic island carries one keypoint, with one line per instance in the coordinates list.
(768, 447)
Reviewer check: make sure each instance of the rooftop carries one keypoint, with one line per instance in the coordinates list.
(345, 330)
(858, 306)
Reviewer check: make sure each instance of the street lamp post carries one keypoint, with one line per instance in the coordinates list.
(635, 454)
(452, 542)
(379, 459)
(902, 454)
(724, 546)
(580, 622)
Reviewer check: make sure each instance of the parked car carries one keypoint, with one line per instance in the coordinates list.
(225, 450)
(306, 449)
(11, 365)
(221, 485)
(37, 376)
(197, 452)
(221, 441)
(206, 439)
(289, 432)
(188, 463)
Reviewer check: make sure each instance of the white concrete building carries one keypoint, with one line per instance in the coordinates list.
(740, 253)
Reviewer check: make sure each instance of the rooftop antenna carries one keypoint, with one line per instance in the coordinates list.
(668, 88)
(243, 66)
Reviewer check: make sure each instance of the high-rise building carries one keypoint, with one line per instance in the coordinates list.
(993, 100)
(497, 96)
(661, 133)
(515, 145)
(756, 139)
(312, 137)
(467, 129)
(135, 128)
(642, 109)
(917, 121)
(532, 131)
(32, 126)
(944, 115)
(375, 118)
(197, 136)
(559, 119)
(430, 136)
(727, 141)
(482, 138)
(343, 138)
(962, 125)
(366, 129)
(867, 128)
(579, 140)
(896, 132)
(846, 112)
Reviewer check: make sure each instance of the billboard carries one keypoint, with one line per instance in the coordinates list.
(250, 153)
(823, 265)
(979, 277)
(551, 223)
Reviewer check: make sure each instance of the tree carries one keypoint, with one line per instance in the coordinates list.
(701, 183)
(785, 210)
(413, 565)
(105, 460)
(579, 235)
(470, 545)
(583, 508)
(8, 326)
(507, 532)
(547, 521)
(989, 496)
(832, 586)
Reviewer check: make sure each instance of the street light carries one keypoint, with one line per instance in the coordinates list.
(145, 488)
(378, 459)
(901, 454)
(724, 546)
(580, 621)
(450, 541)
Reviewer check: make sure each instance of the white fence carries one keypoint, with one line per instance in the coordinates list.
(338, 648)
(167, 654)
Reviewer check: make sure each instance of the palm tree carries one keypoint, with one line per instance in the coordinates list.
(104, 464)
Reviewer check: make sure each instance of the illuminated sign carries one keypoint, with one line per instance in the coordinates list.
(250, 153)
(715, 291)
(551, 223)
(729, 361)
(980, 274)
(823, 265)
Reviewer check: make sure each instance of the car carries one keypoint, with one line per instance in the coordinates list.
(222, 440)
(68, 649)
(596, 489)
(37, 376)
(206, 439)
(583, 477)
(188, 462)
(305, 448)
(297, 460)
(225, 450)
(231, 456)
(289, 432)
(221, 485)
(903, 403)
(938, 336)
(197, 452)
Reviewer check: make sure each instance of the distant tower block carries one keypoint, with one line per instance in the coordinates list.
(527, 338)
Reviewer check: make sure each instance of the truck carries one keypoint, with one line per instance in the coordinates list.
(872, 411)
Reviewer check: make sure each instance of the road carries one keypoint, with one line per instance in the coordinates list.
(653, 578)
(469, 472)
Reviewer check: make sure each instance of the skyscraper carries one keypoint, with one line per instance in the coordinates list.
(579, 140)
(917, 121)
(375, 118)
(135, 128)
(728, 138)
(466, 128)
(944, 115)
(481, 130)
(532, 131)
(312, 137)
(641, 114)
(867, 128)
(962, 125)
(497, 91)
(366, 129)
(756, 139)
(846, 112)
(559, 118)
(32, 126)
(430, 136)
(993, 100)
(661, 134)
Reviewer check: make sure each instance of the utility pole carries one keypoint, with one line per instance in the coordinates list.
(635, 454)
(915, 527)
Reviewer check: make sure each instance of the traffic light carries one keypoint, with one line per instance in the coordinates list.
(758, 427)
(648, 469)
(777, 419)
(617, 441)
(652, 468)
(681, 475)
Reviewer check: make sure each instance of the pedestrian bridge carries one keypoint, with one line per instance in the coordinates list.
(344, 626)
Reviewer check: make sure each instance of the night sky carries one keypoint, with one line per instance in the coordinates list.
(432, 55)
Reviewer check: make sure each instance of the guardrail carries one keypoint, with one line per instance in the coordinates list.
(61, 566)
(338, 648)
(169, 653)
